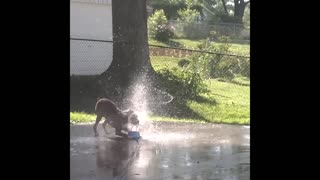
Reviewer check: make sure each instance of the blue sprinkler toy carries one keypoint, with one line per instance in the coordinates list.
(134, 133)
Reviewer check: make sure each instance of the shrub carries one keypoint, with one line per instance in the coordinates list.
(182, 83)
(158, 28)
(163, 33)
(183, 62)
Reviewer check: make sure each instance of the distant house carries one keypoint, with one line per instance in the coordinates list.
(91, 19)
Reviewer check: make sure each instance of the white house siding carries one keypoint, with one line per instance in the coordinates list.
(90, 19)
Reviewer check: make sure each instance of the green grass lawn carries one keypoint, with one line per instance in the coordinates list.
(155, 42)
(193, 44)
(161, 62)
(232, 106)
(186, 43)
(81, 117)
(241, 49)
(232, 103)
(231, 100)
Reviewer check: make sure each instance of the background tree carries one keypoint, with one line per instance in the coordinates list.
(187, 19)
(246, 17)
(171, 7)
(231, 11)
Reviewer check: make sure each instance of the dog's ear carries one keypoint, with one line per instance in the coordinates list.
(128, 112)
(99, 98)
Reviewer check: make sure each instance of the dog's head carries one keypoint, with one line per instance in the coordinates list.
(133, 118)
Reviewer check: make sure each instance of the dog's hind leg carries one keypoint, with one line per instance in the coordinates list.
(99, 117)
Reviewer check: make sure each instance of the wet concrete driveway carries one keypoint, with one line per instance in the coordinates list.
(167, 151)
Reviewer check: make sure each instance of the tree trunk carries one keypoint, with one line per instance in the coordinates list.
(131, 61)
(225, 7)
(239, 7)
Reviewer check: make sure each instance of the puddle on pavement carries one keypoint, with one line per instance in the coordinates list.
(198, 152)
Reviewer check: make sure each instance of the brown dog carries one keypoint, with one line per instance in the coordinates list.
(117, 118)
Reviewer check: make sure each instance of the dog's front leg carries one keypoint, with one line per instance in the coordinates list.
(96, 124)
(119, 133)
(104, 124)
